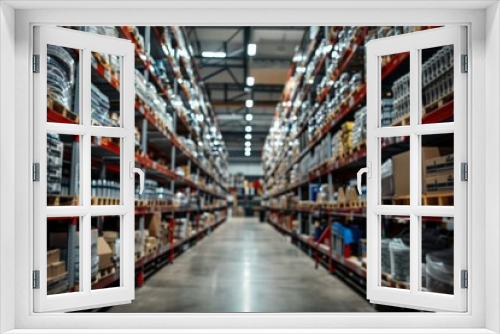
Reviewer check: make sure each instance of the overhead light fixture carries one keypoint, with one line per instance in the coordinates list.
(247, 154)
(249, 103)
(248, 128)
(248, 149)
(248, 136)
(199, 117)
(250, 81)
(252, 49)
(248, 143)
(213, 54)
(249, 117)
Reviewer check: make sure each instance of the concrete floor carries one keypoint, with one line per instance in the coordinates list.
(244, 266)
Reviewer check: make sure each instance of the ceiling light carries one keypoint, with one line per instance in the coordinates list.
(247, 154)
(248, 128)
(248, 143)
(250, 81)
(252, 49)
(199, 117)
(248, 136)
(249, 103)
(213, 54)
(249, 117)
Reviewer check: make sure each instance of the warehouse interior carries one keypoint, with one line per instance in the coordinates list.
(250, 139)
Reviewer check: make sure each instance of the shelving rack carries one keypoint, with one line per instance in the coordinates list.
(210, 185)
(279, 157)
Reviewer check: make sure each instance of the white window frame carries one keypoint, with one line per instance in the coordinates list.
(86, 43)
(414, 43)
(482, 316)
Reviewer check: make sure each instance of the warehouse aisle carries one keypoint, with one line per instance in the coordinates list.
(244, 266)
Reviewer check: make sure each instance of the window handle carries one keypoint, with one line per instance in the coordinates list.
(139, 171)
(368, 171)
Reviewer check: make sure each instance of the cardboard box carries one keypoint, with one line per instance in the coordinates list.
(401, 169)
(439, 165)
(60, 240)
(53, 255)
(111, 238)
(153, 222)
(441, 182)
(105, 254)
(56, 269)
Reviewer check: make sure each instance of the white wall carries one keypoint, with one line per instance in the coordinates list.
(491, 167)
(254, 169)
(7, 160)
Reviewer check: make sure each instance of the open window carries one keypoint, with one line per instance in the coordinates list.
(70, 130)
(433, 280)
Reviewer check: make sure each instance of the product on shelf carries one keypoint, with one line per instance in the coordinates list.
(100, 108)
(400, 259)
(60, 76)
(55, 149)
(439, 271)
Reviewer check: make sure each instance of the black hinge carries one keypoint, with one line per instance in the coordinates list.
(36, 172)
(36, 63)
(464, 279)
(36, 279)
(464, 172)
(465, 64)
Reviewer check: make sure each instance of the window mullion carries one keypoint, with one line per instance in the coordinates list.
(415, 170)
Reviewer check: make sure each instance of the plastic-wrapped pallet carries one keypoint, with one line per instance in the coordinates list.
(437, 75)
(385, 256)
(100, 108)
(387, 109)
(60, 75)
(54, 163)
(359, 130)
(400, 259)
(439, 271)
(336, 145)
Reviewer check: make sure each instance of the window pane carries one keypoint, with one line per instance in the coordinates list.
(437, 84)
(62, 84)
(437, 170)
(395, 251)
(437, 254)
(63, 259)
(107, 255)
(395, 171)
(105, 171)
(63, 166)
(105, 89)
(395, 94)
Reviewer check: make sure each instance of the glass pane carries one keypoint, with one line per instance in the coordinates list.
(437, 254)
(105, 91)
(107, 255)
(63, 260)
(63, 166)
(437, 170)
(105, 171)
(437, 84)
(395, 90)
(62, 84)
(395, 171)
(395, 251)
